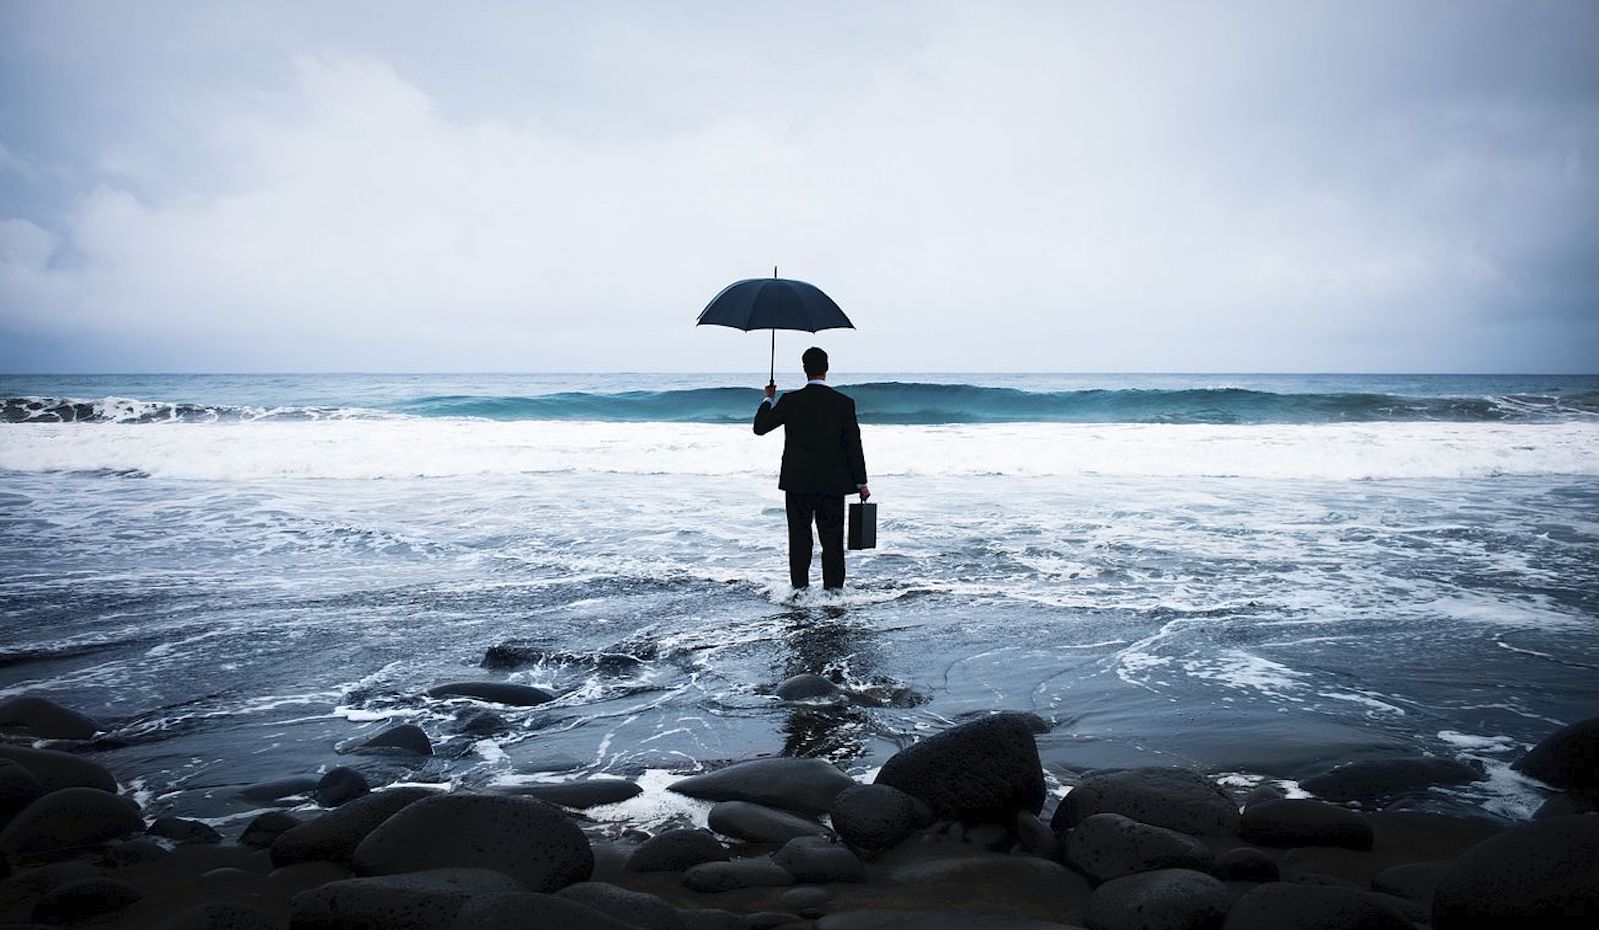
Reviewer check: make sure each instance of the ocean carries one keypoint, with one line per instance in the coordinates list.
(242, 576)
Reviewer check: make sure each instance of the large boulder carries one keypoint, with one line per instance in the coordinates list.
(1107, 846)
(873, 817)
(68, 819)
(405, 738)
(334, 836)
(816, 860)
(527, 839)
(423, 900)
(57, 770)
(43, 718)
(265, 829)
(1567, 758)
(1167, 899)
(1543, 874)
(1381, 779)
(807, 786)
(494, 692)
(1304, 822)
(808, 687)
(1176, 799)
(633, 907)
(1277, 905)
(756, 823)
(675, 851)
(18, 789)
(982, 771)
(340, 785)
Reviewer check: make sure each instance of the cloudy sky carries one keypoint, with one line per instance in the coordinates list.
(983, 186)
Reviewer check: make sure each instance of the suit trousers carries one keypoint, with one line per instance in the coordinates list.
(828, 512)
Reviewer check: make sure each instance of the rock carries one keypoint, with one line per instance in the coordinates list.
(124, 853)
(422, 900)
(1567, 758)
(85, 898)
(340, 785)
(407, 737)
(334, 836)
(816, 860)
(1034, 837)
(756, 823)
(1245, 864)
(279, 788)
(183, 831)
(808, 687)
(1167, 899)
(1381, 779)
(873, 817)
(494, 692)
(57, 770)
(218, 916)
(632, 907)
(525, 910)
(477, 721)
(983, 771)
(807, 786)
(768, 920)
(985, 870)
(523, 837)
(1276, 905)
(739, 873)
(68, 819)
(18, 789)
(1107, 846)
(1176, 799)
(45, 719)
(1564, 803)
(676, 850)
(929, 920)
(711, 918)
(1539, 874)
(588, 792)
(1416, 881)
(20, 892)
(264, 830)
(1303, 822)
(804, 898)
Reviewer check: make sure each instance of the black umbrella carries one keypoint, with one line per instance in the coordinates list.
(773, 303)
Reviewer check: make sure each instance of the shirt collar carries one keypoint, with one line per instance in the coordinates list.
(815, 381)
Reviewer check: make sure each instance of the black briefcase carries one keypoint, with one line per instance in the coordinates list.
(863, 526)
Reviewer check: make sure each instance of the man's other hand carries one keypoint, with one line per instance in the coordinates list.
(771, 390)
(864, 492)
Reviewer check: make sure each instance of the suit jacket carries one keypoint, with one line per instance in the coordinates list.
(821, 440)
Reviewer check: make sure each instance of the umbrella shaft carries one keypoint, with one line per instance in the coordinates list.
(772, 377)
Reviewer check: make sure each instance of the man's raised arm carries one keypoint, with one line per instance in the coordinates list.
(767, 416)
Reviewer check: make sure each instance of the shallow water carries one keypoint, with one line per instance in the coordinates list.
(239, 600)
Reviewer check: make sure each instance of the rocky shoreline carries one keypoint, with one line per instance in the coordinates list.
(956, 831)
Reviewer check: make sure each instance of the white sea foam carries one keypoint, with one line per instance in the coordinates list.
(442, 447)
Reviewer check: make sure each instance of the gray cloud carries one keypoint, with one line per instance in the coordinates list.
(1024, 186)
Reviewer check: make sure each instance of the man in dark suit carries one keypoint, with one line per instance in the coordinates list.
(822, 462)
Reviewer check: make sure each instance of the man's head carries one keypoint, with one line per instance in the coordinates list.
(815, 362)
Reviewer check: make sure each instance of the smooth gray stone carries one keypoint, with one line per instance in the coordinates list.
(1167, 899)
(85, 898)
(45, 719)
(808, 687)
(18, 789)
(982, 870)
(182, 830)
(756, 823)
(675, 851)
(739, 873)
(407, 737)
(807, 786)
(68, 819)
(766, 920)
(339, 786)
(815, 860)
(1312, 907)
(711, 918)
(1304, 822)
(979, 772)
(805, 897)
(1416, 881)
(873, 816)
(1379, 779)
(528, 911)
(494, 692)
(1107, 846)
(1245, 864)
(280, 788)
(930, 920)
(588, 792)
(1176, 799)
(1567, 758)
(57, 770)
(530, 840)
(334, 836)
(1034, 836)
(1541, 874)
(265, 829)
(644, 910)
(426, 900)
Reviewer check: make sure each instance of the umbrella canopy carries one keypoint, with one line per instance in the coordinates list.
(773, 303)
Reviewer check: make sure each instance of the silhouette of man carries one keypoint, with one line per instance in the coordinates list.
(822, 462)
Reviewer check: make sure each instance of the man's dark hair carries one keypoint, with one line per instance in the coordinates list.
(815, 362)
